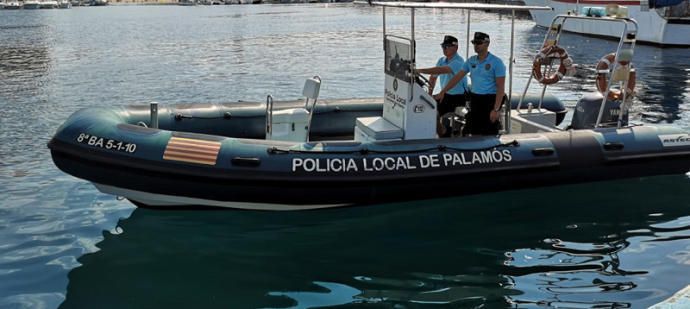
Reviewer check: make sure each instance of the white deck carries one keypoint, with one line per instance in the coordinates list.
(680, 300)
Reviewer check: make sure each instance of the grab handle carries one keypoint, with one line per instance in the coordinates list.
(154, 115)
(269, 114)
(427, 101)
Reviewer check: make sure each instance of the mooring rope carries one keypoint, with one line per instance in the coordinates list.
(364, 151)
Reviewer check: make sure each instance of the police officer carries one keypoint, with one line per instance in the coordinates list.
(446, 67)
(487, 73)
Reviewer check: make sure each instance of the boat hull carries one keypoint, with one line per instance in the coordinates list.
(233, 166)
(159, 189)
(653, 28)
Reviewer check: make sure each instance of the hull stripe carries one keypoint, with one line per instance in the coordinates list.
(210, 151)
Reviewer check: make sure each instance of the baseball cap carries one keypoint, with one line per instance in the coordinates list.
(449, 40)
(480, 37)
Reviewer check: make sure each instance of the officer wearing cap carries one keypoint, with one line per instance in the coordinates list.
(488, 87)
(446, 67)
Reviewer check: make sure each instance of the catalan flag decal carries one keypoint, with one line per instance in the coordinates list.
(191, 150)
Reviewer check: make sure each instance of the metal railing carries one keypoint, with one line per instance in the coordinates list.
(627, 38)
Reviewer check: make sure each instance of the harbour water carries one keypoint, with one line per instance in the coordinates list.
(621, 244)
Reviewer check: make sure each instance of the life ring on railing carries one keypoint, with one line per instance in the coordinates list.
(553, 51)
(604, 69)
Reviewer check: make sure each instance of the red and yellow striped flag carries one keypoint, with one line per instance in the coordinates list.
(191, 150)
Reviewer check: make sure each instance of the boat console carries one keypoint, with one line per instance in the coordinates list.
(409, 112)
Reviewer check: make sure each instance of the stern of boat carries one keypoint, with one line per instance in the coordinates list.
(541, 18)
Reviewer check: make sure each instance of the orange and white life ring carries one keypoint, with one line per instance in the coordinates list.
(553, 51)
(604, 68)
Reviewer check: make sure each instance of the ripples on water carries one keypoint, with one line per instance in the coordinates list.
(509, 248)
(574, 246)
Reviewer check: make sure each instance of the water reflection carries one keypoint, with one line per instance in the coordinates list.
(525, 248)
(600, 257)
(24, 54)
(21, 67)
(667, 86)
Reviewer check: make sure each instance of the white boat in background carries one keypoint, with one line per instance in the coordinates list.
(32, 4)
(13, 5)
(49, 4)
(64, 4)
(662, 22)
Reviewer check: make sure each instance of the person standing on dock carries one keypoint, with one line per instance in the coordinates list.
(487, 73)
(446, 67)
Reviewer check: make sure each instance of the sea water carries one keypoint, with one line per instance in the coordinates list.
(63, 244)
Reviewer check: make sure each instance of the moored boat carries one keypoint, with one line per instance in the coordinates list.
(315, 154)
(49, 4)
(65, 4)
(662, 22)
(32, 4)
(13, 5)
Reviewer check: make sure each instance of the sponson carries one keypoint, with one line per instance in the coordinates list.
(166, 167)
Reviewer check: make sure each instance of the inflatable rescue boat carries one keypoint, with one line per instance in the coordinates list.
(313, 154)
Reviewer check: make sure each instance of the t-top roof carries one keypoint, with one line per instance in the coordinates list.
(449, 5)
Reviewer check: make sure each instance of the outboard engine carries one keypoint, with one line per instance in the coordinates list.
(587, 110)
(454, 122)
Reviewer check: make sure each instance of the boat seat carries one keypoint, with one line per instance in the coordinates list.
(293, 124)
(290, 125)
(376, 129)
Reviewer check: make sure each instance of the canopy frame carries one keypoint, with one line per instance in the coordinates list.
(469, 7)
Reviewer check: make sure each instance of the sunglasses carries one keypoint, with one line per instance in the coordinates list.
(444, 46)
(475, 42)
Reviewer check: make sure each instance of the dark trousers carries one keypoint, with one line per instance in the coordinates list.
(448, 105)
(450, 102)
(479, 119)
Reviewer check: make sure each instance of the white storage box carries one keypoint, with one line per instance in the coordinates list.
(376, 129)
(533, 121)
(290, 125)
